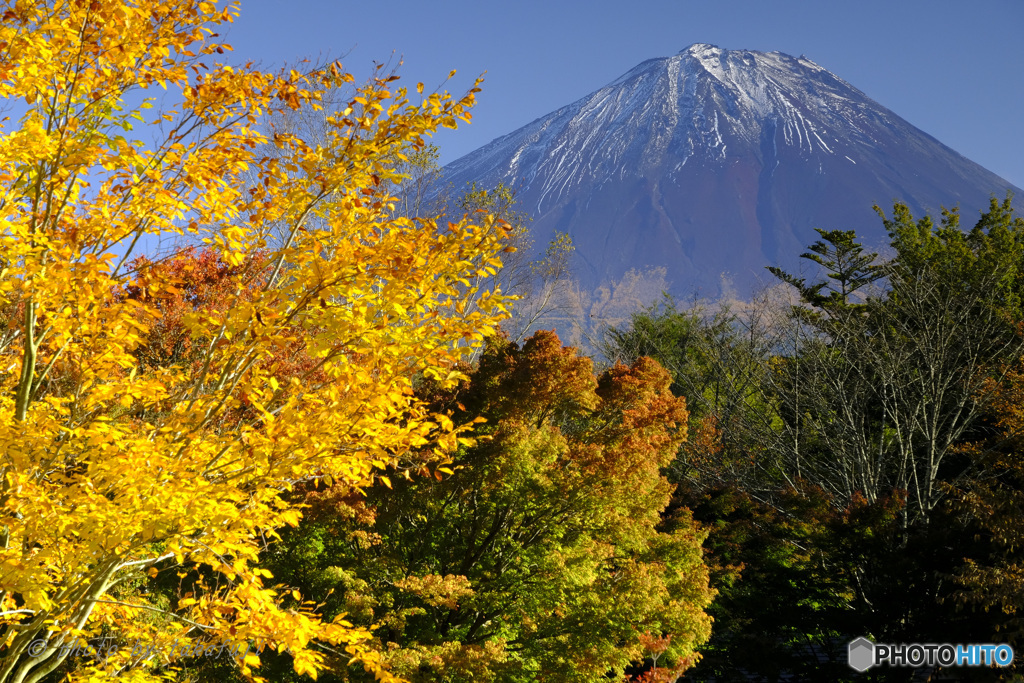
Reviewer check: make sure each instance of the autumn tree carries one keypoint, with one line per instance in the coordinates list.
(994, 581)
(718, 361)
(121, 454)
(537, 281)
(539, 556)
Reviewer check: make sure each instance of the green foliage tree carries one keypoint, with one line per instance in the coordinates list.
(878, 401)
(786, 576)
(844, 443)
(846, 265)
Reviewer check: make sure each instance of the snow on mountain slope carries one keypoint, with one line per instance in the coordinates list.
(719, 162)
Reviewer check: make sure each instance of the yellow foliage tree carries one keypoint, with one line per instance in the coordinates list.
(110, 469)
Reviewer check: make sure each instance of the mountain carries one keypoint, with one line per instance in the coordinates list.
(716, 163)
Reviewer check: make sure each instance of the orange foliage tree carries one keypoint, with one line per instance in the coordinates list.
(996, 501)
(137, 430)
(541, 556)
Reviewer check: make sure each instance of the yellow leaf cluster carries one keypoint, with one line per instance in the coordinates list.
(111, 469)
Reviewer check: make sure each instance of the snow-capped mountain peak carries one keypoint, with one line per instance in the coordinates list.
(717, 160)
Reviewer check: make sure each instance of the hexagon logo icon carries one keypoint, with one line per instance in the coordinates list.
(861, 654)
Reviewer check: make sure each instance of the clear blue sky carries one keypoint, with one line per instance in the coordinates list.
(954, 69)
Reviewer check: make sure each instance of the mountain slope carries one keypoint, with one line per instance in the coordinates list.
(717, 162)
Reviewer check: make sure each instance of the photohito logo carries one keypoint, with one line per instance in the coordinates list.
(862, 654)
